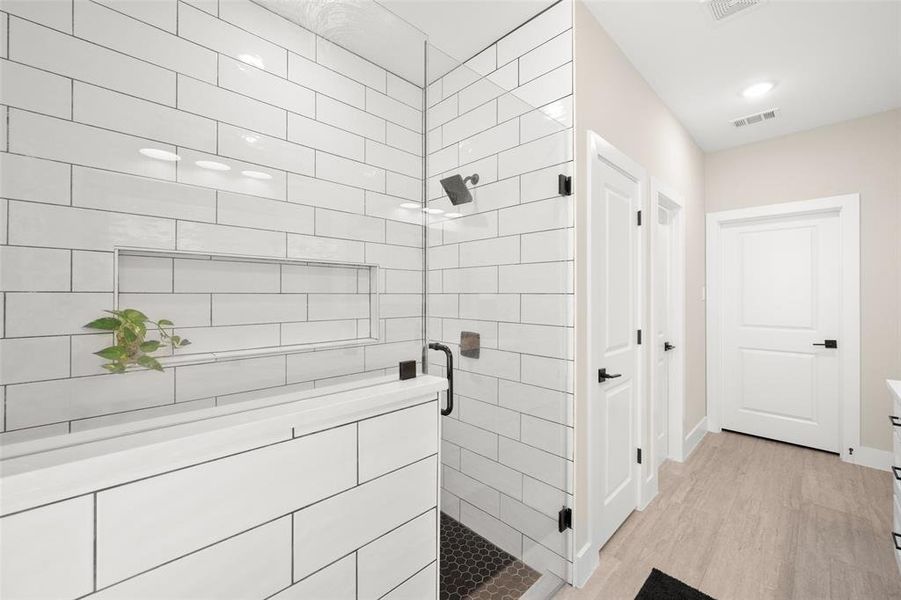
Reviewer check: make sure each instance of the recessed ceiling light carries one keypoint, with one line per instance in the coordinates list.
(758, 89)
(432, 211)
(453, 215)
(256, 174)
(159, 154)
(410, 205)
(250, 139)
(212, 165)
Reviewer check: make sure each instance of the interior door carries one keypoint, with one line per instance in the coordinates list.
(663, 347)
(614, 400)
(781, 303)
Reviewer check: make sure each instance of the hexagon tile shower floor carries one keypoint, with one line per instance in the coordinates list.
(472, 568)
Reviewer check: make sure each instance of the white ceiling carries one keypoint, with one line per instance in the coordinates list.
(363, 27)
(831, 61)
(462, 28)
(391, 33)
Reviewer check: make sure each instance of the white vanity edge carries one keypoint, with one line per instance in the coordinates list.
(45, 471)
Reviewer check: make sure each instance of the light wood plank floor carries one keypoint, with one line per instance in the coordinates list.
(746, 518)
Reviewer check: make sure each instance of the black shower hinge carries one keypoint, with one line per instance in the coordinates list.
(564, 519)
(638, 457)
(639, 337)
(564, 185)
(639, 218)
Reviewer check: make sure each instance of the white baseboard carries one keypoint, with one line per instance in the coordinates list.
(872, 458)
(586, 562)
(694, 438)
(649, 489)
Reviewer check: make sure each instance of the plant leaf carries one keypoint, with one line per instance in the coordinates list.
(148, 362)
(112, 353)
(184, 343)
(105, 323)
(114, 367)
(165, 323)
(129, 335)
(151, 346)
(135, 316)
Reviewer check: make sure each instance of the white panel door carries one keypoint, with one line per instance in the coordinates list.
(614, 400)
(663, 322)
(781, 297)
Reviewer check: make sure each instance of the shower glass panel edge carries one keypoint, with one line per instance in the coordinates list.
(500, 266)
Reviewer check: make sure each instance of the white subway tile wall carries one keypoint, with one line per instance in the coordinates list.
(504, 270)
(261, 516)
(322, 148)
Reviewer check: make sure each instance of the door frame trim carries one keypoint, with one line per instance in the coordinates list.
(848, 208)
(586, 555)
(676, 405)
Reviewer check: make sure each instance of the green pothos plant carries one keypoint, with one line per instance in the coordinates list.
(130, 327)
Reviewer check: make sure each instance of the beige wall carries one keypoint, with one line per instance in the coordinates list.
(613, 100)
(862, 156)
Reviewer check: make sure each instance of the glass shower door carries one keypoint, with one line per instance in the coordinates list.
(500, 295)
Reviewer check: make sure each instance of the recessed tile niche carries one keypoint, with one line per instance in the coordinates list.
(232, 306)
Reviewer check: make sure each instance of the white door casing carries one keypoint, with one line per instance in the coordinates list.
(616, 190)
(661, 333)
(780, 279)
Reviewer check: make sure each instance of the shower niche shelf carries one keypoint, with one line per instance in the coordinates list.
(233, 306)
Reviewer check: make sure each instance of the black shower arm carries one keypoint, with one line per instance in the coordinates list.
(450, 375)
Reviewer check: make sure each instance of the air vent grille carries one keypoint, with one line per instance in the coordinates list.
(723, 9)
(755, 118)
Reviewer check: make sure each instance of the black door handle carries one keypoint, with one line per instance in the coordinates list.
(896, 537)
(667, 347)
(603, 375)
(896, 421)
(897, 472)
(828, 344)
(450, 375)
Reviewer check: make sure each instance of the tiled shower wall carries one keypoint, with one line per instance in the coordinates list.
(84, 85)
(505, 270)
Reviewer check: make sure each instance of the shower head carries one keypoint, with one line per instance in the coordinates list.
(455, 188)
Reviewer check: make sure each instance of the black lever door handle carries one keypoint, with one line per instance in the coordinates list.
(896, 421)
(603, 375)
(896, 537)
(667, 347)
(897, 472)
(828, 344)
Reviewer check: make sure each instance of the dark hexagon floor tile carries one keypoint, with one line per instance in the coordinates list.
(472, 568)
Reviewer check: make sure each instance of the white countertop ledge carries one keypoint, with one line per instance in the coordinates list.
(39, 472)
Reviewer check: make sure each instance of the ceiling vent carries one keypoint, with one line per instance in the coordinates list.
(724, 9)
(760, 117)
